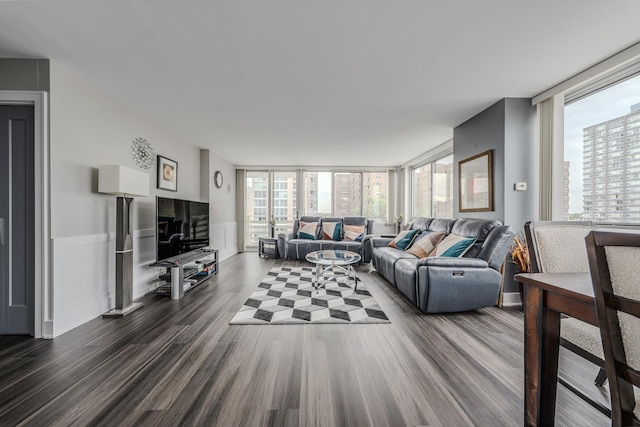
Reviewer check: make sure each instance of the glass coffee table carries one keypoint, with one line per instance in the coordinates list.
(334, 261)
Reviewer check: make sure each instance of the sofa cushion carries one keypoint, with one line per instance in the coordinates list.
(332, 230)
(320, 245)
(347, 245)
(386, 258)
(420, 223)
(307, 230)
(404, 239)
(425, 244)
(442, 224)
(354, 233)
(453, 246)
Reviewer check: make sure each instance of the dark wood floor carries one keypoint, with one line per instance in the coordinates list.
(181, 363)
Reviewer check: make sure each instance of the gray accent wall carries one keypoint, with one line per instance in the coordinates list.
(508, 128)
(485, 131)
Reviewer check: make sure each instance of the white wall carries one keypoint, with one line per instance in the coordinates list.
(89, 128)
(223, 233)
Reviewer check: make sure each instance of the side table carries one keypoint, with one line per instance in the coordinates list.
(268, 247)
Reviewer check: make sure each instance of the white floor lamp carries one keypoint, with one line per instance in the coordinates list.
(125, 183)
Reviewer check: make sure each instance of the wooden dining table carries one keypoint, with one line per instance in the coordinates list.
(546, 297)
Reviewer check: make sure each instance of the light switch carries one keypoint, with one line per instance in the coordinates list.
(520, 186)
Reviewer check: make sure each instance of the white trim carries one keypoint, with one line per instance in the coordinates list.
(619, 59)
(511, 299)
(612, 78)
(42, 292)
(436, 153)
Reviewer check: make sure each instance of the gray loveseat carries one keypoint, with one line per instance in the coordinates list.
(442, 284)
(290, 246)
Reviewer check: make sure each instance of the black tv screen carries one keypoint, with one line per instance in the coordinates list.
(181, 226)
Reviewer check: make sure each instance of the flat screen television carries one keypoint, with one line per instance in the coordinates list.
(181, 226)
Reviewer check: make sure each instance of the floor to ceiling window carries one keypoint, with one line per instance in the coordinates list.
(274, 198)
(284, 207)
(602, 154)
(270, 205)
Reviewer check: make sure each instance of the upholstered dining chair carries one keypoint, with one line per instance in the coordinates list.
(559, 247)
(614, 259)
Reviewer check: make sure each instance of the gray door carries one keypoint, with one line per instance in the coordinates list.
(16, 220)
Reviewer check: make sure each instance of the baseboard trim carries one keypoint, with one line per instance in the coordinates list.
(511, 299)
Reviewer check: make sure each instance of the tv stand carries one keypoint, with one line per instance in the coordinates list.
(186, 271)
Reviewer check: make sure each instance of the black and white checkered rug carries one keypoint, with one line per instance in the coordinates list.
(287, 296)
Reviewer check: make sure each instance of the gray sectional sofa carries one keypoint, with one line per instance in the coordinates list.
(443, 284)
(290, 246)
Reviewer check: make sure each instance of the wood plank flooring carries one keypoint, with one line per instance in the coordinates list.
(181, 363)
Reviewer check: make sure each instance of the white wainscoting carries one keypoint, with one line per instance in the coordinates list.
(224, 238)
(84, 272)
(83, 277)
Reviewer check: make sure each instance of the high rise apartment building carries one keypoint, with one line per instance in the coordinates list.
(433, 194)
(611, 169)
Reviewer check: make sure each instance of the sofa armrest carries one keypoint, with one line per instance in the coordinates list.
(452, 262)
(378, 242)
(285, 236)
(282, 239)
(367, 248)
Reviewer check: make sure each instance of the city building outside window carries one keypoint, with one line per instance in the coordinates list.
(346, 194)
(602, 155)
(432, 188)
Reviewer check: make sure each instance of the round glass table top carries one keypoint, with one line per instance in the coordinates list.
(333, 257)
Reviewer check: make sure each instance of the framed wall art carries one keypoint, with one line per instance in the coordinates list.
(475, 183)
(167, 174)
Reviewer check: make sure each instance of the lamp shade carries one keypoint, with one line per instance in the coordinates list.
(120, 180)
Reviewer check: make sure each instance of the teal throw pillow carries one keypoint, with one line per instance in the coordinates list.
(404, 239)
(307, 230)
(453, 246)
(332, 230)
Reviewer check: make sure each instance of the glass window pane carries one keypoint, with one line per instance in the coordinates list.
(375, 195)
(284, 201)
(257, 221)
(347, 194)
(317, 197)
(443, 187)
(421, 189)
(601, 155)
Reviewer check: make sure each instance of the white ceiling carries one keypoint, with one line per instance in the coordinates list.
(317, 83)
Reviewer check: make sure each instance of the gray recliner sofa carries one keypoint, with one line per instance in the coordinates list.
(442, 284)
(292, 247)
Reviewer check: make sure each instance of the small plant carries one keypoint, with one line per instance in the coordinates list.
(520, 252)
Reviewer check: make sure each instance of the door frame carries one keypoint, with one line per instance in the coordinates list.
(43, 297)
